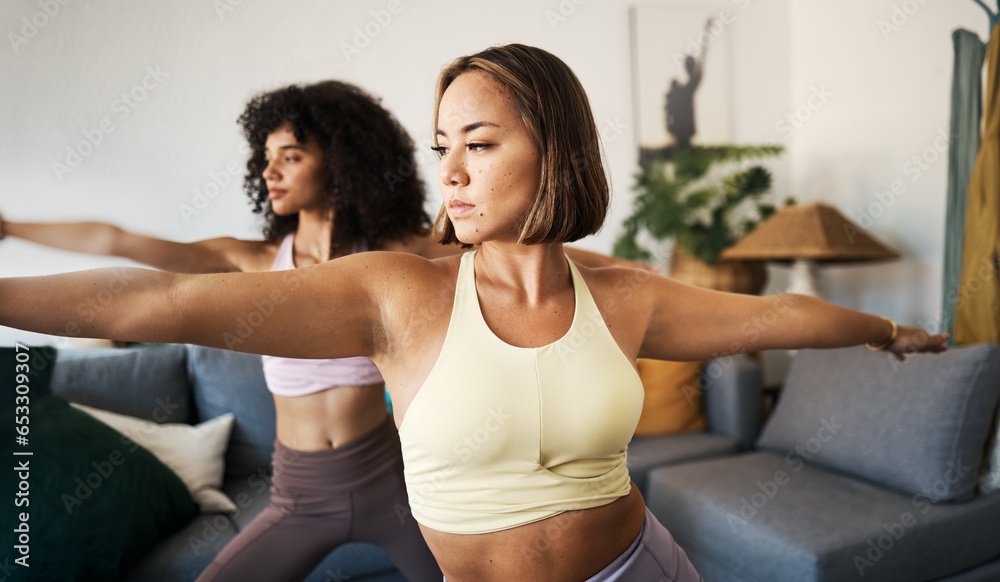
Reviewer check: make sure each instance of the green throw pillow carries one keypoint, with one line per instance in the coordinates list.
(95, 502)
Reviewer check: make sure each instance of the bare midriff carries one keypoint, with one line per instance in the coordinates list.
(568, 547)
(330, 418)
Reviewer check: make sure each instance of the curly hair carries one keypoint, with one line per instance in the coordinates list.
(370, 179)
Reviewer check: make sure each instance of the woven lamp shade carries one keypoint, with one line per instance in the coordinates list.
(816, 232)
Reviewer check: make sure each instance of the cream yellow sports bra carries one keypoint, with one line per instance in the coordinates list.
(500, 436)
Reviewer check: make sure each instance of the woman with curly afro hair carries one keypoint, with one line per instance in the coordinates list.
(324, 171)
(362, 195)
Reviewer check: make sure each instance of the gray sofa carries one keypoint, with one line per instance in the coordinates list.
(867, 470)
(191, 384)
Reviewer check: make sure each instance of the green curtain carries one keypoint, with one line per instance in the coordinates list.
(966, 109)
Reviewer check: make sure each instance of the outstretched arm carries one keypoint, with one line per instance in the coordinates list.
(329, 310)
(689, 323)
(217, 255)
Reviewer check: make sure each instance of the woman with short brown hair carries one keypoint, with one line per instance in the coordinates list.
(572, 198)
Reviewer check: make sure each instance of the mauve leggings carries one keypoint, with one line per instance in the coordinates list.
(654, 556)
(322, 499)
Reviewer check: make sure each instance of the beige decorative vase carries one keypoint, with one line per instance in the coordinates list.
(732, 276)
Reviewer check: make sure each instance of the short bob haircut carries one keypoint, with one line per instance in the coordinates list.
(369, 177)
(572, 197)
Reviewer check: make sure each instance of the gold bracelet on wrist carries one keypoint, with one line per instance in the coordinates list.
(888, 342)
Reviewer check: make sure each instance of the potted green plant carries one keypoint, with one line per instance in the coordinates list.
(705, 199)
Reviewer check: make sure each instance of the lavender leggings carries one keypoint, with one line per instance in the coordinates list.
(322, 499)
(654, 556)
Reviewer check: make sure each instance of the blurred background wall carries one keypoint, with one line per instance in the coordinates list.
(155, 88)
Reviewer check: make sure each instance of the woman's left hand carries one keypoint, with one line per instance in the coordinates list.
(913, 340)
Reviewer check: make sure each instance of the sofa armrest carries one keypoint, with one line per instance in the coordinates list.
(732, 398)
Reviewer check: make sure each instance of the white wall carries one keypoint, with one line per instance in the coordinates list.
(889, 98)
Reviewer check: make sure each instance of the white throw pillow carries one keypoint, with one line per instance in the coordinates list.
(195, 453)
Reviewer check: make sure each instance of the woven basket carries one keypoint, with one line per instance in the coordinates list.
(732, 276)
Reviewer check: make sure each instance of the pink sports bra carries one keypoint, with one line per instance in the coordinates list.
(299, 377)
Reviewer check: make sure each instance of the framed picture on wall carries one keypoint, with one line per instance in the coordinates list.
(681, 76)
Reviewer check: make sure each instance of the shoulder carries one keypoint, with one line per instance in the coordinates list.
(406, 269)
(410, 285)
(414, 295)
(624, 289)
(406, 261)
(614, 279)
(395, 272)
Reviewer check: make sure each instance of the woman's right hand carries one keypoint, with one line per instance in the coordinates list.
(913, 340)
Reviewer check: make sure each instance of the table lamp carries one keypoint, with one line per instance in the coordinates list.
(807, 235)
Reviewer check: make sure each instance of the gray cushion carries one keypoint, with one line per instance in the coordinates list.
(225, 381)
(988, 572)
(648, 452)
(732, 398)
(919, 426)
(356, 562)
(184, 555)
(760, 516)
(148, 383)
